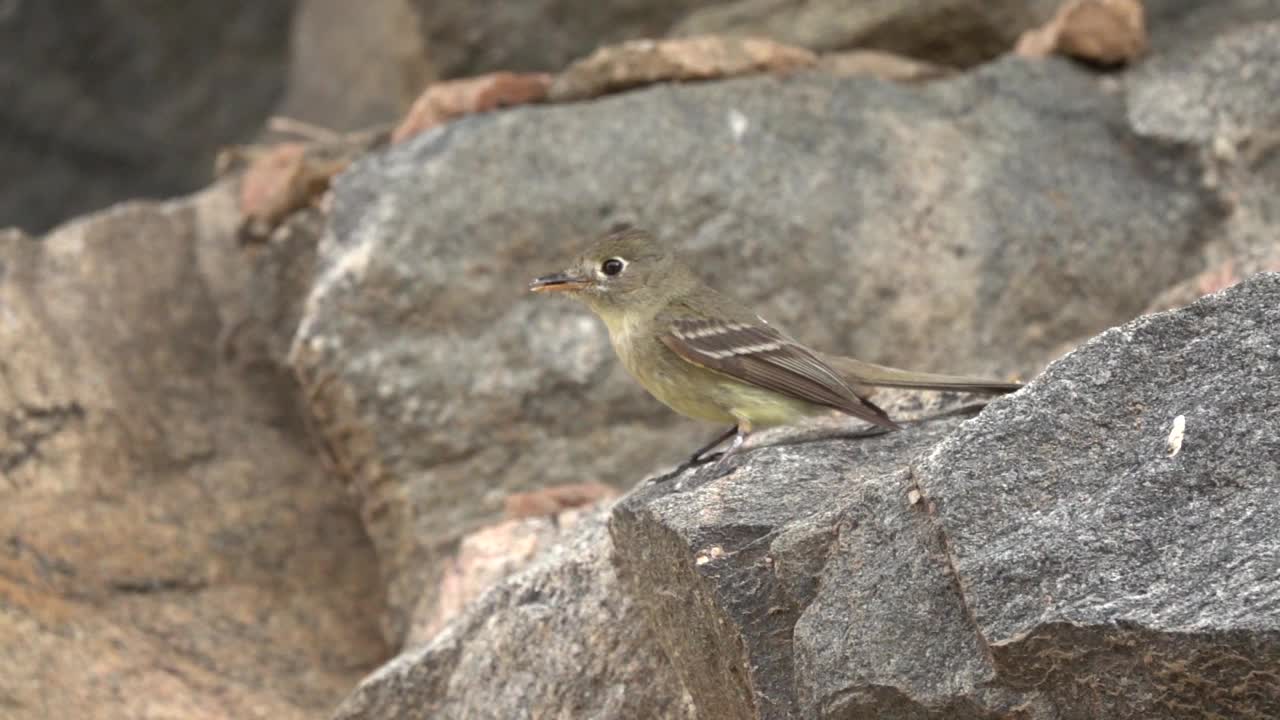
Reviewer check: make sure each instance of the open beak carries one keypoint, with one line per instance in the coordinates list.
(558, 282)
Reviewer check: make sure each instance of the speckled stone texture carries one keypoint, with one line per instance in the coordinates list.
(1101, 568)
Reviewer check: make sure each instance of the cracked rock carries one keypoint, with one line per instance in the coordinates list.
(1115, 578)
(806, 584)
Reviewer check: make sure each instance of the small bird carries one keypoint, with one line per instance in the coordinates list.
(709, 358)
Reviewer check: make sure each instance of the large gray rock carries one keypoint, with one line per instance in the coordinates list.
(1052, 558)
(557, 640)
(1121, 566)
(106, 100)
(973, 225)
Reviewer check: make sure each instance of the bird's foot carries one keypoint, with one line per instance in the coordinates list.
(722, 466)
(701, 457)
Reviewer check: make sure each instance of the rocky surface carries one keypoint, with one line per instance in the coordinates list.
(256, 440)
(1113, 556)
(557, 640)
(443, 385)
(106, 101)
(730, 574)
(1057, 557)
(170, 545)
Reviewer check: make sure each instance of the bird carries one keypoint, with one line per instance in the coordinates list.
(710, 358)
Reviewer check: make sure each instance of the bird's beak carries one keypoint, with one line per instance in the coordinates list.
(559, 282)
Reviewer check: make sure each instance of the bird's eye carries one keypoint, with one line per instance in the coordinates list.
(612, 266)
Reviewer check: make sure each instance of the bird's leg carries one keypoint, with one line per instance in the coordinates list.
(700, 456)
(741, 432)
(697, 457)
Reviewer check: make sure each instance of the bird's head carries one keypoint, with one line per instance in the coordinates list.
(624, 269)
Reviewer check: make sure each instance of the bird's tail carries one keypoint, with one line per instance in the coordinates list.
(858, 372)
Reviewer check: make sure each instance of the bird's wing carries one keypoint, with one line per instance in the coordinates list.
(760, 355)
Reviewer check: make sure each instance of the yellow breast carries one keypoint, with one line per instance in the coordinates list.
(697, 392)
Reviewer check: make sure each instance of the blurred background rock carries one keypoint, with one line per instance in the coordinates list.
(113, 99)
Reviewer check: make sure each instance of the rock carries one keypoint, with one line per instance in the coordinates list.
(555, 640)
(1114, 578)
(958, 33)
(257, 331)
(865, 217)
(1218, 277)
(885, 634)
(804, 585)
(1212, 88)
(551, 500)
(645, 62)
(1059, 556)
(451, 99)
(106, 101)
(883, 65)
(279, 183)
(353, 65)
(1220, 85)
(484, 559)
(169, 544)
(279, 180)
(466, 38)
(1107, 32)
(282, 203)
